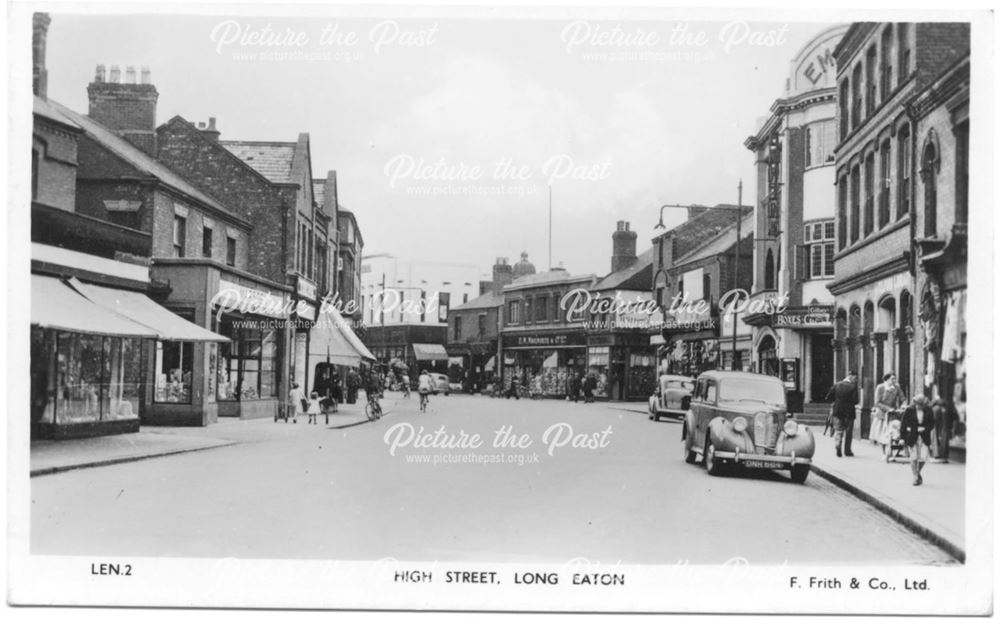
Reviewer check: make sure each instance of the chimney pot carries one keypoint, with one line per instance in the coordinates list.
(130, 74)
(116, 75)
(100, 73)
(211, 123)
(146, 75)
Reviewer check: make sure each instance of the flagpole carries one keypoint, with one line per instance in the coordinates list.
(550, 227)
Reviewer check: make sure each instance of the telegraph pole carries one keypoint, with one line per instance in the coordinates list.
(736, 267)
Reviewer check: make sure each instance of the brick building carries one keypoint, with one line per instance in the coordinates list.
(882, 70)
(474, 329)
(695, 261)
(794, 225)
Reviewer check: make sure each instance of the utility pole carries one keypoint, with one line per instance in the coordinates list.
(550, 227)
(736, 267)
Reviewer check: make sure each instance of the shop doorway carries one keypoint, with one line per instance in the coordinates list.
(821, 368)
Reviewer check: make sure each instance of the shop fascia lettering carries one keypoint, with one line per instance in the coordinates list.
(234, 297)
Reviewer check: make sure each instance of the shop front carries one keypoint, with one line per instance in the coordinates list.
(545, 361)
(624, 364)
(691, 344)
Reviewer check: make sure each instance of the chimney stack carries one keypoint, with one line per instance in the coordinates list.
(503, 274)
(39, 38)
(210, 132)
(695, 211)
(125, 106)
(622, 247)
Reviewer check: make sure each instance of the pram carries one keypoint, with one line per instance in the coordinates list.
(894, 447)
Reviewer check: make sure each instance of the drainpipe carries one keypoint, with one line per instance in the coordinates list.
(915, 382)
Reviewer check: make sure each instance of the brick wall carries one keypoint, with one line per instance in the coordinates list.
(208, 165)
(129, 109)
(56, 152)
(938, 46)
(792, 232)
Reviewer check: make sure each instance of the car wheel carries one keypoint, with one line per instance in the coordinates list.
(712, 465)
(690, 456)
(799, 473)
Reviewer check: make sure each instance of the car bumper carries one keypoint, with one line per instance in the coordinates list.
(765, 461)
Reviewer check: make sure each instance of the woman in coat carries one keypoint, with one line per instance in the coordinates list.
(888, 398)
(915, 431)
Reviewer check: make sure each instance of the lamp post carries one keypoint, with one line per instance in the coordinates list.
(736, 248)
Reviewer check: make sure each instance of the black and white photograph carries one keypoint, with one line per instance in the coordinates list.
(478, 308)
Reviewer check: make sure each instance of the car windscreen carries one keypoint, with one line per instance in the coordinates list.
(740, 389)
(678, 385)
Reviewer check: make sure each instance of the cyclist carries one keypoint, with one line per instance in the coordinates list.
(424, 385)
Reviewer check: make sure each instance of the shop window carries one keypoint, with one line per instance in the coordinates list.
(174, 363)
(180, 235)
(97, 378)
(248, 363)
(206, 242)
(598, 360)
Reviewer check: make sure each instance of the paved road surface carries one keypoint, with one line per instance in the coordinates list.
(299, 491)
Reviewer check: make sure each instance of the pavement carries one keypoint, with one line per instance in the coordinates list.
(934, 510)
(52, 457)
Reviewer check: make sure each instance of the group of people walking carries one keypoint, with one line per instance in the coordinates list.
(893, 424)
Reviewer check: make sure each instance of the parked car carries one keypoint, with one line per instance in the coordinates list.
(741, 419)
(440, 383)
(672, 397)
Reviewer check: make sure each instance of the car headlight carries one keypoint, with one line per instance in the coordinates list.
(791, 427)
(740, 424)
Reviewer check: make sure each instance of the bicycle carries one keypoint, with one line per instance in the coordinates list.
(424, 398)
(373, 409)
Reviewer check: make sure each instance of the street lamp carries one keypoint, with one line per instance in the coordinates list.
(736, 248)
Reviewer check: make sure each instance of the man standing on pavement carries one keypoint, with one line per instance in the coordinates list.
(845, 397)
(918, 419)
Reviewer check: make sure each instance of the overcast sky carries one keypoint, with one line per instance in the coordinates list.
(416, 114)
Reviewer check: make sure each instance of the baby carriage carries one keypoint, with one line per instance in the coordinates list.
(894, 446)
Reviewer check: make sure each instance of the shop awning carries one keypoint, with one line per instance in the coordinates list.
(54, 305)
(490, 365)
(429, 352)
(353, 339)
(143, 310)
(328, 342)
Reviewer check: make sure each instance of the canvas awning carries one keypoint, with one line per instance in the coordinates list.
(353, 338)
(490, 365)
(429, 352)
(328, 342)
(144, 311)
(54, 305)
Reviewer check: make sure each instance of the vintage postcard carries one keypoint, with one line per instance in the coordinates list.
(467, 308)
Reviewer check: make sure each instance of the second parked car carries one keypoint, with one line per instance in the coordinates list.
(672, 397)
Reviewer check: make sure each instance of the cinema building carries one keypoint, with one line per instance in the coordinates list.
(795, 229)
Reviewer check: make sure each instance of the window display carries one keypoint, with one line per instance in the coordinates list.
(96, 378)
(173, 372)
(247, 365)
(598, 359)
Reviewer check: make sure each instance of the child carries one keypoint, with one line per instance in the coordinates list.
(313, 410)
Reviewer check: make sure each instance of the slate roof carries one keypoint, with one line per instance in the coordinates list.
(545, 277)
(631, 277)
(271, 159)
(486, 300)
(45, 109)
(138, 158)
(700, 229)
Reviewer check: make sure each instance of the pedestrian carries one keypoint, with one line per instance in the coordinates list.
(845, 397)
(313, 409)
(589, 385)
(512, 387)
(888, 398)
(574, 386)
(918, 419)
(296, 403)
(943, 419)
(353, 383)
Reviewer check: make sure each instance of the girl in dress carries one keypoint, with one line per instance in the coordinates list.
(314, 408)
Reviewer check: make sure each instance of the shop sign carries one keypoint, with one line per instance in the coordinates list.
(237, 297)
(790, 373)
(305, 288)
(306, 311)
(544, 340)
(813, 316)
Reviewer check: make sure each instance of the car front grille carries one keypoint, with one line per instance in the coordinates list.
(765, 431)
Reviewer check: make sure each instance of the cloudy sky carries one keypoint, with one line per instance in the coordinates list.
(446, 133)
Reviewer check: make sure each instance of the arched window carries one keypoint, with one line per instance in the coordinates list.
(928, 174)
(769, 271)
(768, 355)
